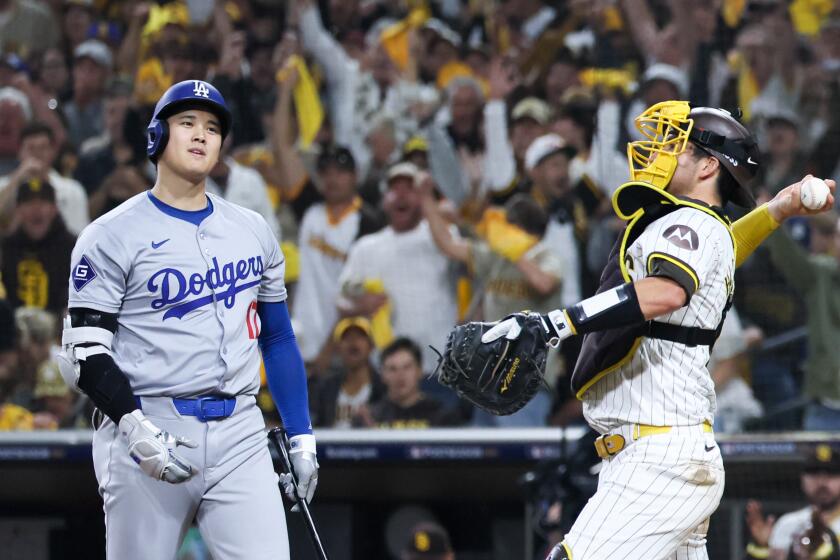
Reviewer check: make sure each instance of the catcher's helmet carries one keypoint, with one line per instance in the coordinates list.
(720, 134)
(667, 128)
(180, 97)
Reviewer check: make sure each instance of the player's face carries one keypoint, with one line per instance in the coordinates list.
(36, 218)
(354, 347)
(822, 490)
(195, 140)
(402, 204)
(685, 175)
(401, 374)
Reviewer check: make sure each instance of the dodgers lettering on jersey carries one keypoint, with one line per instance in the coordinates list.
(185, 295)
(667, 383)
(175, 286)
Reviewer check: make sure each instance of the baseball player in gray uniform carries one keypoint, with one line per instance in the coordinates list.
(648, 333)
(171, 294)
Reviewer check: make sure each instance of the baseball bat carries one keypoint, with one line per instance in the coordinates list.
(281, 442)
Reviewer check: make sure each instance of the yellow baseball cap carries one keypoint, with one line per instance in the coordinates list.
(415, 144)
(344, 325)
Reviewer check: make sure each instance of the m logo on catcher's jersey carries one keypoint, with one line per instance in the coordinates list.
(82, 273)
(682, 236)
(200, 89)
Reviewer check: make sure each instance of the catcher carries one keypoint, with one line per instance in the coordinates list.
(648, 333)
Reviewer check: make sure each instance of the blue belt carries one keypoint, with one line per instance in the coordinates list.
(204, 408)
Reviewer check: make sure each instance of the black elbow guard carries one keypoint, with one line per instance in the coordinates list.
(87, 343)
(107, 386)
(618, 307)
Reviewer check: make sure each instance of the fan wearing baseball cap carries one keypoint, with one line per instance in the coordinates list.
(92, 66)
(36, 255)
(817, 524)
(327, 232)
(547, 164)
(338, 395)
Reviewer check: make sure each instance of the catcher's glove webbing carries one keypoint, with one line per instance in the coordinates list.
(500, 376)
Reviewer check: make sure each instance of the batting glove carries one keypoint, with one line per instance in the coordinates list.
(152, 449)
(305, 464)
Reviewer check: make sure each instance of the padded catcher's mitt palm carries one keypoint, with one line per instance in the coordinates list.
(499, 376)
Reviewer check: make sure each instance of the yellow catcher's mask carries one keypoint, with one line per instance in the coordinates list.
(665, 127)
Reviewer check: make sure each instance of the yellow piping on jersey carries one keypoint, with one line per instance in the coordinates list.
(677, 262)
(597, 377)
(631, 210)
(636, 191)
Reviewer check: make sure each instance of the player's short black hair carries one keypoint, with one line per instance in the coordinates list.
(402, 344)
(726, 183)
(36, 128)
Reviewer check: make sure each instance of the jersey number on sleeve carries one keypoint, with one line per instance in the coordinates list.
(253, 321)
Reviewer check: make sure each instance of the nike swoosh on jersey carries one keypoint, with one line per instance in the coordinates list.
(157, 245)
(712, 448)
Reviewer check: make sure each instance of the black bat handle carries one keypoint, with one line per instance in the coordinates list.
(281, 441)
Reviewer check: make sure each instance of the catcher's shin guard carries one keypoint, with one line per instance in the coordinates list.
(560, 552)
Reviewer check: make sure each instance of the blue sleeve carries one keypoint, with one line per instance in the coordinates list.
(284, 368)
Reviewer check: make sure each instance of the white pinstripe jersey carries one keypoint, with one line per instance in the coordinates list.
(667, 383)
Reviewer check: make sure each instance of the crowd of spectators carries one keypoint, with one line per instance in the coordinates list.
(423, 162)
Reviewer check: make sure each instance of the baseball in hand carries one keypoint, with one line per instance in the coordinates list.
(813, 193)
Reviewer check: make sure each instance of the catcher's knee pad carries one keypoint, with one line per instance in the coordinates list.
(560, 552)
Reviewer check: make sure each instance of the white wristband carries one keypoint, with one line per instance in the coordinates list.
(561, 326)
(303, 442)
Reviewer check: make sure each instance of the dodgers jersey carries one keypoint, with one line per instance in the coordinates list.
(185, 295)
(667, 383)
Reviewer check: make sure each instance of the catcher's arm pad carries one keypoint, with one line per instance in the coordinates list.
(500, 376)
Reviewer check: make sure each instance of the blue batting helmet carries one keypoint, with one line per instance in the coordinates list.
(180, 97)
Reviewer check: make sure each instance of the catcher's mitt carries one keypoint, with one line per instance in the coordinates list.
(500, 376)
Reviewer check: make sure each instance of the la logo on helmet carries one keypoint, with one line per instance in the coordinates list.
(200, 89)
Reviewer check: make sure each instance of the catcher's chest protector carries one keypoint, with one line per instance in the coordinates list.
(605, 351)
